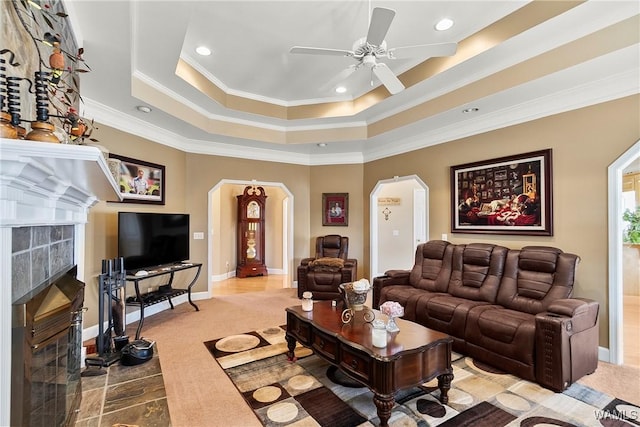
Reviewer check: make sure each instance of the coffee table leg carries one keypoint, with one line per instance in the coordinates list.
(384, 404)
(291, 345)
(444, 384)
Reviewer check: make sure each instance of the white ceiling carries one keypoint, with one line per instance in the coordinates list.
(134, 49)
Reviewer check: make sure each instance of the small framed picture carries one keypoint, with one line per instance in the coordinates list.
(139, 181)
(335, 209)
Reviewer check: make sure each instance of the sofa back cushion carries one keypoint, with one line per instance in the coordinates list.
(432, 267)
(476, 271)
(535, 276)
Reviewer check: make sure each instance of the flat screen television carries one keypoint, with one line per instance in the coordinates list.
(148, 239)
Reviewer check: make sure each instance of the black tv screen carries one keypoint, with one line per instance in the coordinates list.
(151, 239)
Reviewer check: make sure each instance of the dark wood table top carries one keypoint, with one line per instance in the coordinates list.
(412, 336)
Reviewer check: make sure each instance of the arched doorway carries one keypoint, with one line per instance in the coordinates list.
(399, 221)
(221, 207)
(616, 305)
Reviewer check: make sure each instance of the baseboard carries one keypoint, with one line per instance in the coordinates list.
(134, 315)
(604, 355)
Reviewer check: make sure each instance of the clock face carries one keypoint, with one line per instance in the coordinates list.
(253, 210)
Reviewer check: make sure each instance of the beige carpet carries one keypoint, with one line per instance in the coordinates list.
(200, 394)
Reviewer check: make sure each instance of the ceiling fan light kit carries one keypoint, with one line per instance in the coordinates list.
(367, 50)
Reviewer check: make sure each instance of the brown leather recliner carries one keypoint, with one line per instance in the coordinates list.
(323, 274)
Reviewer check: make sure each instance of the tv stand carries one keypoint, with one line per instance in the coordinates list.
(165, 292)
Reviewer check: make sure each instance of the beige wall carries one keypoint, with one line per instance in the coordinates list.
(338, 179)
(102, 227)
(584, 143)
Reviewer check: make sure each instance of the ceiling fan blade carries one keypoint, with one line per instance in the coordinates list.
(320, 51)
(380, 22)
(339, 78)
(429, 50)
(388, 79)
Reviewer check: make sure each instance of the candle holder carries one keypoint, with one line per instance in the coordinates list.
(355, 295)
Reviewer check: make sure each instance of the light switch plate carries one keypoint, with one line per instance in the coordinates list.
(198, 235)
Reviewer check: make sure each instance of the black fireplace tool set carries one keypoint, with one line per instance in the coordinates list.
(112, 345)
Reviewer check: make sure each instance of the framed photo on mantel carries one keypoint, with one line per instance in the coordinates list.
(335, 209)
(139, 181)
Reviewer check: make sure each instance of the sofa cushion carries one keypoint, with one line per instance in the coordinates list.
(405, 295)
(535, 276)
(445, 313)
(502, 331)
(432, 267)
(476, 271)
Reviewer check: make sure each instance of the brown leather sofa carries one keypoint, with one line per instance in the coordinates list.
(512, 309)
(331, 266)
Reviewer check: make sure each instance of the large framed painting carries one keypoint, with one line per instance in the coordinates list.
(335, 209)
(507, 195)
(139, 181)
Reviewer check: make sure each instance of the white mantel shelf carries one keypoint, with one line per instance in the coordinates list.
(43, 183)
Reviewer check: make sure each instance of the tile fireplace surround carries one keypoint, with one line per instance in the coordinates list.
(46, 191)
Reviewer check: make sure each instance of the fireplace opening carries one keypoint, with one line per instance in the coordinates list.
(46, 342)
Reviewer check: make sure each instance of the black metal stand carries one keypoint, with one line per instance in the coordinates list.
(112, 288)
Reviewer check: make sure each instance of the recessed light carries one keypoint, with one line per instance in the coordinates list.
(470, 110)
(203, 50)
(444, 24)
(322, 144)
(341, 89)
(143, 109)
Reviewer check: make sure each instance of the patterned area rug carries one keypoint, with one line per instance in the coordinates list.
(301, 393)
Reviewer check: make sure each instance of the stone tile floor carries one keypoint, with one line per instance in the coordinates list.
(125, 396)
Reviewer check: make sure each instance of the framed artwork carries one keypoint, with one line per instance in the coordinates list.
(507, 195)
(139, 181)
(335, 209)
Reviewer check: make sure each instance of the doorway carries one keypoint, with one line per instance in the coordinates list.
(616, 225)
(398, 222)
(221, 236)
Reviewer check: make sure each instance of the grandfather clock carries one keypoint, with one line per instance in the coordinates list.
(250, 245)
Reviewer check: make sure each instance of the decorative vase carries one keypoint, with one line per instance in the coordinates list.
(42, 131)
(392, 326)
(7, 130)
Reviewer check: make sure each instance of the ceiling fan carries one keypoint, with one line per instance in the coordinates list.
(367, 50)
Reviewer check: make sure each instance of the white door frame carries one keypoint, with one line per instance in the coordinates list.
(287, 226)
(616, 342)
(373, 217)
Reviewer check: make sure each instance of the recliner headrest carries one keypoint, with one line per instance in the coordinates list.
(539, 258)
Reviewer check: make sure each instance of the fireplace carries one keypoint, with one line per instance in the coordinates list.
(46, 360)
(46, 191)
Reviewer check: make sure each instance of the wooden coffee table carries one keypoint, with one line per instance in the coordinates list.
(412, 356)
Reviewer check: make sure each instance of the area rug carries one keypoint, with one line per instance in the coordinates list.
(301, 393)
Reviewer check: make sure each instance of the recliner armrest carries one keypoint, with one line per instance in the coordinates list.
(583, 312)
(350, 263)
(391, 277)
(398, 274)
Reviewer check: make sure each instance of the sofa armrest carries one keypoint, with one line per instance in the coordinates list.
(566, 342)
(391, 277)
(583, 312)
(402, 275)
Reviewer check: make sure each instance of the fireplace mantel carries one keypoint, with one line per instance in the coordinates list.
(46, 184)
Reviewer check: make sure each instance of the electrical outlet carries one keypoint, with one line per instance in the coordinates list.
(149, 290)
(227, 264)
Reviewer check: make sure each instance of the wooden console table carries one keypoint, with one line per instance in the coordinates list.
(165, 292)
(412, 356)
